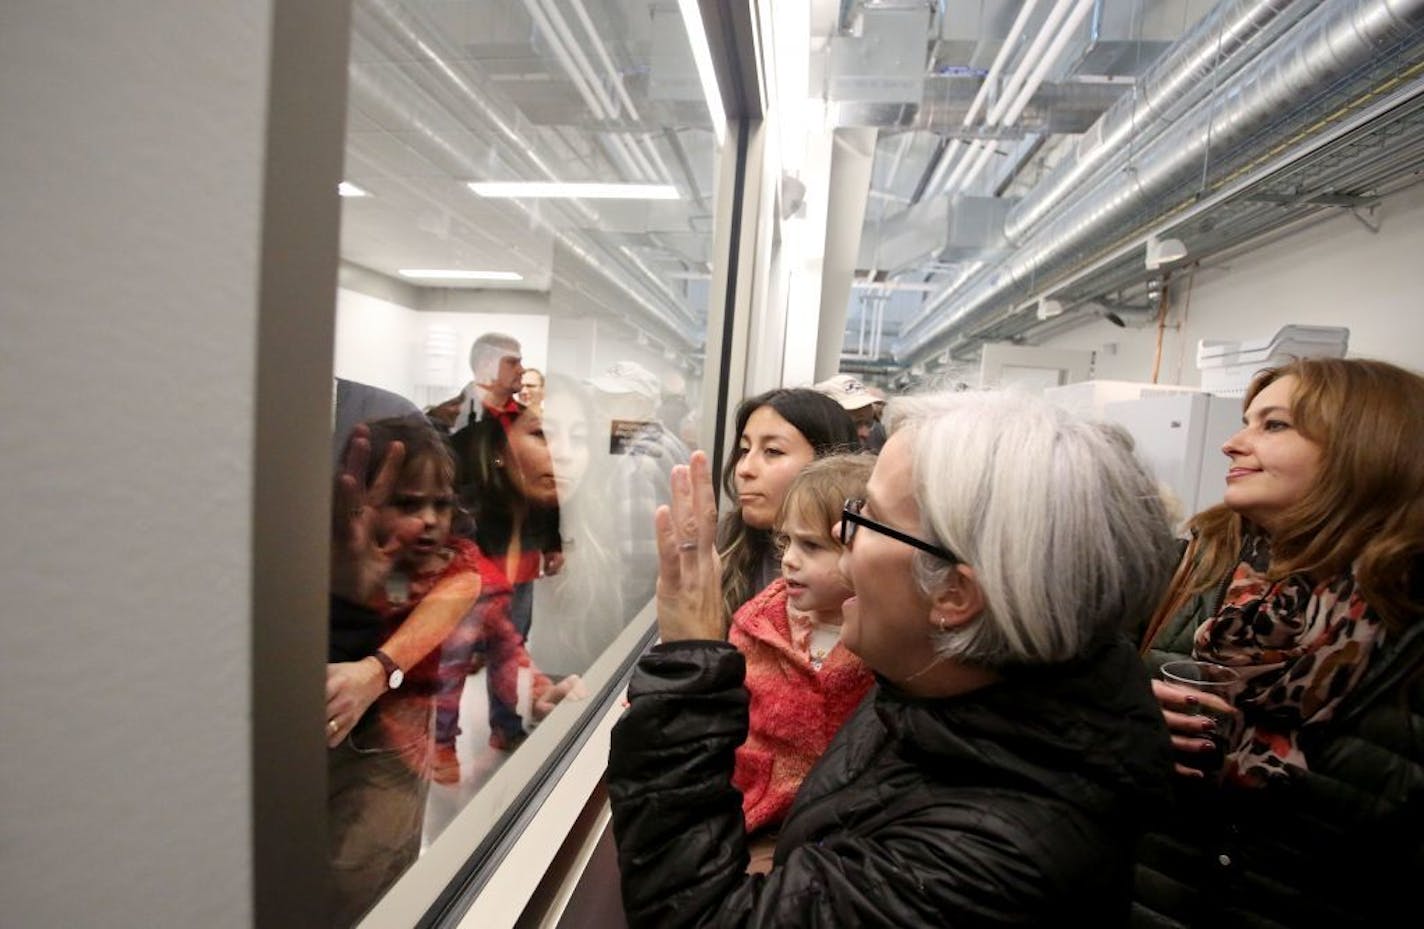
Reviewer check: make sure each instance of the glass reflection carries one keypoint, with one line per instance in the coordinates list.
(545, 358)
(607, 497)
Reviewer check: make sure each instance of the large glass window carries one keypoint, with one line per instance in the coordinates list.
(526, 260)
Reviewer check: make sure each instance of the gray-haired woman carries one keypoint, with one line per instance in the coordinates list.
(999, 771)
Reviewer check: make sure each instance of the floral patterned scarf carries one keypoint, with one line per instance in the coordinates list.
(1300, 648)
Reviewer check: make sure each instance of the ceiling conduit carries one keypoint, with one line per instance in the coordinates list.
(1265, 103)
(391, 27)
(615, 79)
(1207, 55)
(1203, 58)
(566, 49)
(956, 148)
(979, 152)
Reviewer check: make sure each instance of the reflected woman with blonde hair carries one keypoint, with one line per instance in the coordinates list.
(1307, 582)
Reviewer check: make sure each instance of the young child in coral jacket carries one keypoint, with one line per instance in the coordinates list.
(803, 683)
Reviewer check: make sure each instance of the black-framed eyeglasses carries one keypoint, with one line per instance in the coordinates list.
(851, 518)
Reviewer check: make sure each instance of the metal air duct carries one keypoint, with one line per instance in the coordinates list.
(1202, 59)
(1265, 104)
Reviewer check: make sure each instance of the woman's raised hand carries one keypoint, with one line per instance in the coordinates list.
(689, 571)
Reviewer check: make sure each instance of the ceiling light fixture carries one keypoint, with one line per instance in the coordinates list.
(522, 190)
(348, 189)
(702, 57)
(458, 275)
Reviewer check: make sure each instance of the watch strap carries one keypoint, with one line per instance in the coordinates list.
(394, 674)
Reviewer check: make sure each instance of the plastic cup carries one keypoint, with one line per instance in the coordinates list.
(1220, 681)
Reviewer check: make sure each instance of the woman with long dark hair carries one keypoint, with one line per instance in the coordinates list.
(506, 483)
(778, 433)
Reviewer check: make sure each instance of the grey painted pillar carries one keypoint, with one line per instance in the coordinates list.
(852, 158)
(167, 266)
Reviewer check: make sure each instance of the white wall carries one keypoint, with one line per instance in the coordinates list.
(383, 340)
(1334, 273)
(128, 268)
(385, 344)
(376, 342)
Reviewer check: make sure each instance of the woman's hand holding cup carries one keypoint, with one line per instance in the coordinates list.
(1195, 697)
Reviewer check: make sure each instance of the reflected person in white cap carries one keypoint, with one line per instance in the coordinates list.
(637, 456)
(856, 399)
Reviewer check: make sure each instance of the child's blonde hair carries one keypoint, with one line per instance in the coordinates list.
(819, 492)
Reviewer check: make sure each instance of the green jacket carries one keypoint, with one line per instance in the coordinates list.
(1340, 844)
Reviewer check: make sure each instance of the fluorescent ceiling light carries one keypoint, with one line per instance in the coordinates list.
(456, 275)
(348, 189)
(702, 57)
(549, 189)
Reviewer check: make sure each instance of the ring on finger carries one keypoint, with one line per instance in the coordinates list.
(332, 725)
(687, 546)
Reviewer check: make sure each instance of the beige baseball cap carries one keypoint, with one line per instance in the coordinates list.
(846, 390)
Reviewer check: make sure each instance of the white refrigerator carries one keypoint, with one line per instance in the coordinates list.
(1179, 437)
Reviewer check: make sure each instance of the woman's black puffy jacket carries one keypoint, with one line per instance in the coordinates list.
(1015, 804)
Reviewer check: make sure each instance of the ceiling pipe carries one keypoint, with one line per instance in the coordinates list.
(1329, 52)
(1050, 58)
(1207, 55)
(555, 30)
(980, 150)
(571, 58)
(936, 183)
(1032, 82)
(1017, 80)
(661, 172)
(574, 58)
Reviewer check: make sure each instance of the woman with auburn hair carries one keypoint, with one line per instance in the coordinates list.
(1307, 582)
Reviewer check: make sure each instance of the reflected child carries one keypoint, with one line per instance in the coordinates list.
(379, 722)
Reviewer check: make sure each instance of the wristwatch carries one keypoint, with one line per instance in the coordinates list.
(394, 675)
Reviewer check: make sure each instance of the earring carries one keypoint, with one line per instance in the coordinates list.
(498, 462)
(940, 623)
